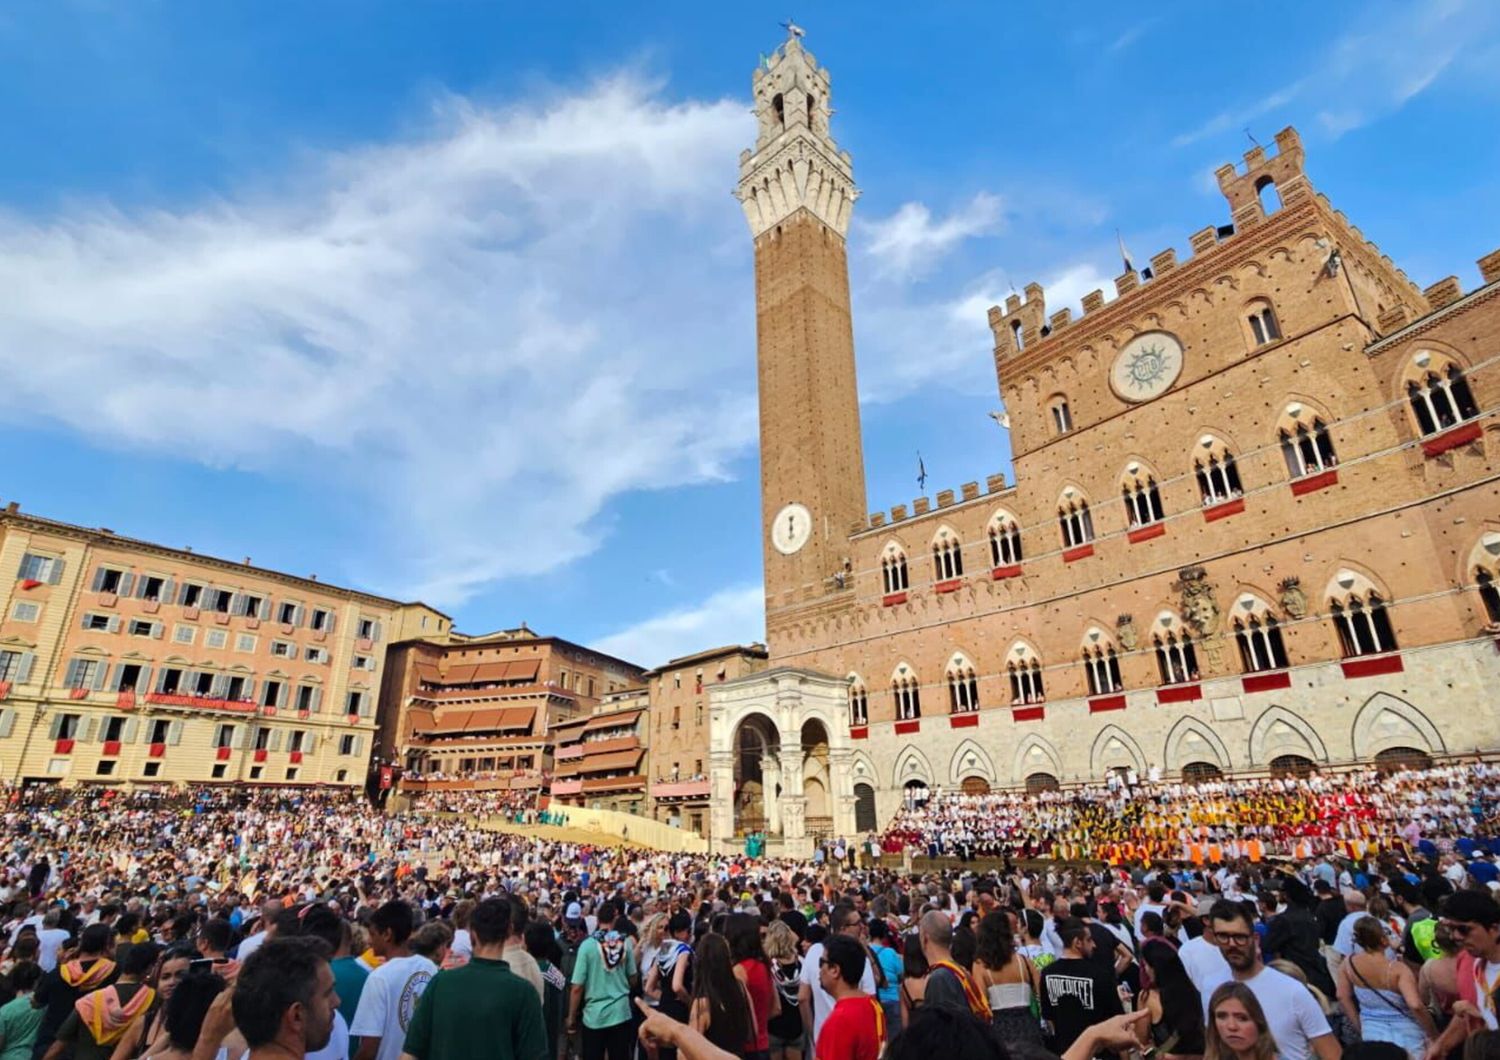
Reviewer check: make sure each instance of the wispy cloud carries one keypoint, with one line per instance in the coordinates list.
(461, 331)
(1375, 67)
(909, 241)
(1131, 35)
(730, 616)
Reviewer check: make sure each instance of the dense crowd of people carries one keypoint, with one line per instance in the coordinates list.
(223, 923)
(1350, 813)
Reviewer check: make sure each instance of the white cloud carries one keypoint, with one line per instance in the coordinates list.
(729, 616)
(909, 241)
(482, 333)
(1376, 66)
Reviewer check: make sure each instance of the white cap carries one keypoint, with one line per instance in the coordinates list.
(574, 911)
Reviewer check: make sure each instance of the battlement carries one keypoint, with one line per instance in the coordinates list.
(1274, 181)
(947, 498)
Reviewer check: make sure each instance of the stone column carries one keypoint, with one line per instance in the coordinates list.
(721, 798)
(770, 780)
(841, 791)
(793, 804)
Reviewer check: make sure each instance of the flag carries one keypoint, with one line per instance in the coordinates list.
(1124, 254)
(921, 473)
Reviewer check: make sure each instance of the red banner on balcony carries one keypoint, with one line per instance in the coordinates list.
(4, 690)
(173, 699)
(111, 748)
(30, 583)
(906, 728)
(1073, 555)
(1373, 666)
(260, 754)
(964, 721)
(1146, 533)
(1458, 436)
(126, 699)
(1266, 682)
(295, 758)
(221, 754)
(157, 750)
(859, 732)
(1179, 693)
(78, 693)
(63, 747)
(1224, 510)
(892, 599)
(1010, 570)
(1312, 483)
(1099, 704)
(952, 585)
(1028, 713)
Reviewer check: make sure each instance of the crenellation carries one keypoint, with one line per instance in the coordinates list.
(1061, 319)
(1445, 292)
(1164, 262)
(877, 519)
(1093, 301)
(898, 513)
(970, 490)
(994, 483)
(921, 506)
(1127, 282)
(1204, 240)
(1489, 266)
(945, 498)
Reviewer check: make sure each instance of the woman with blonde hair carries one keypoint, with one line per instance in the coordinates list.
(1237, 1028)
(1379, 993)
(786, 1032)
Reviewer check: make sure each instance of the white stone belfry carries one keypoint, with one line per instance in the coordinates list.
(795, 165)
(787, 699)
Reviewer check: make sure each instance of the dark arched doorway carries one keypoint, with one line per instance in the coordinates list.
(1037, 783)
(864, 808)
(1292, 766)
(1394, 758)
(1198, 772)
(915, 794)
(975, 786)
(755, 741)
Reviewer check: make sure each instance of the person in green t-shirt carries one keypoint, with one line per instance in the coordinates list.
(603, 977)
(482, 1010)
(18, 1020)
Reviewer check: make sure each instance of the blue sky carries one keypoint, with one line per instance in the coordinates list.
(451, 300)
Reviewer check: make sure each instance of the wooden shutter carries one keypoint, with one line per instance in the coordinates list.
(143, 682)
(83, 621)
(89, 725)
(249, 692)
(281, 694)
(73, 674)
(317, 700)
(98, 582)
(376, 631)
(127, 585)
(237, 740)
(57, 569)
(7, 722)
(158, 629)
(265, 609)
(55, 729)
(309, 742)
(332, 621)
(216, 690)
(21, 573)
(168, 591)
(131, 727)
(275, 741)
(174, 733)
(112, 682)
(114, 624)
(23, 672)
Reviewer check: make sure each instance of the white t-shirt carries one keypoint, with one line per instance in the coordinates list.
(1148, 907)
(49, 941)
(1343, 940)
(388, 1000)
(463, 944)
(249, 946)
(336, 1049)
(1291, 1011)
(1205, 965)
(822, 999)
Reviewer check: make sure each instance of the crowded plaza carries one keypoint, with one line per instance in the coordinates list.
(226, 922)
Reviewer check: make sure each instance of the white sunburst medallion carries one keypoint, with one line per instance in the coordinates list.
(1147, 366)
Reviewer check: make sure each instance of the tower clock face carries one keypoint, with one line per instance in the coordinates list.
(1147, 367)
(791, 528)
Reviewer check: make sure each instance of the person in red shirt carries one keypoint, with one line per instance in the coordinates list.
(855, 1027)
(753, 970)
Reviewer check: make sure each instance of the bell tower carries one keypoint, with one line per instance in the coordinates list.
(797, 189)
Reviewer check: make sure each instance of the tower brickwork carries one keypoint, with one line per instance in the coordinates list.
(798, 192)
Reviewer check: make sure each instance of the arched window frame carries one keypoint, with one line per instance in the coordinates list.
(893, 571)
(947, 555)
(1075, 521)
(1101, 668)
(1362, 624)
(907, 694)
(1026, 682)
(1142, 496)
(1257, 635)
(1306, 444)
(1061, 413)
(1215, 471)
(1176, 655)
(1005, 540)
(859, 701)
(1260, 318)
(1438, 393)
(963, 686)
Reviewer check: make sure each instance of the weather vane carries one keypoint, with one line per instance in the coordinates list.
(792, 29)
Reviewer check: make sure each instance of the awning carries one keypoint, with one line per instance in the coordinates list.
(613, 760)
(490, 671)
(421, 720)
(517, 718)
(618, 719)
(523, 670)
(460, 675)
(428, 674)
